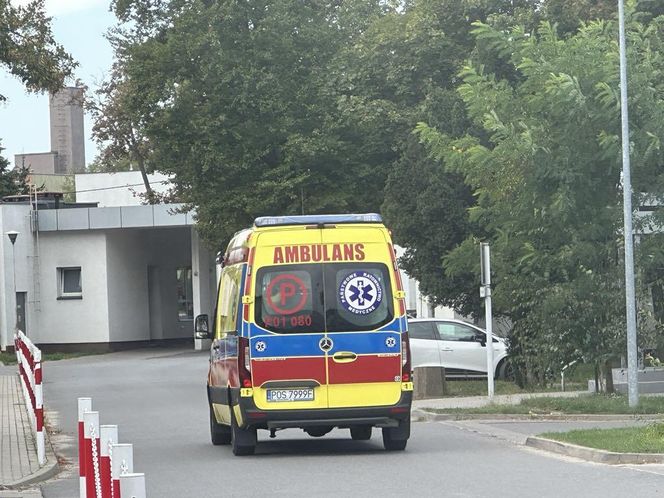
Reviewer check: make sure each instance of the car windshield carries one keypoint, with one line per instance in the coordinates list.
(329, 297)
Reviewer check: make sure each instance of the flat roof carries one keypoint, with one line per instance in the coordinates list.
(101, 218)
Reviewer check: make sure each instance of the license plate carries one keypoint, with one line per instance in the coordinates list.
(279, 395)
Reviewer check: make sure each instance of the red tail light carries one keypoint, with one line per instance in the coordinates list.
(405, 358)
(243, 362)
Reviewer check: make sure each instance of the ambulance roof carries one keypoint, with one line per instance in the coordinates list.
(315, 219)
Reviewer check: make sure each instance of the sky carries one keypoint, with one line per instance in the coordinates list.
(78, 25)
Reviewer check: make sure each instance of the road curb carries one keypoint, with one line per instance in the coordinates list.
(591, 454)
(50, 469)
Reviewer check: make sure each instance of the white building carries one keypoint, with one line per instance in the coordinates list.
(102, 275)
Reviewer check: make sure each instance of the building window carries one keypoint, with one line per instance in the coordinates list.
(185, 294)
(69, 283)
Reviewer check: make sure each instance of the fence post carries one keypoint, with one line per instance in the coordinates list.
(91, 426)
(122, 463)
(39, 408)
(84, 405)
(132, 485)
(108, 436)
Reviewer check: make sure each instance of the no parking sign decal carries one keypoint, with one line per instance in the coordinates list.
(287, 294)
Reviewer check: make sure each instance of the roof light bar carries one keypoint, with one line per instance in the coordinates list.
(315, 219)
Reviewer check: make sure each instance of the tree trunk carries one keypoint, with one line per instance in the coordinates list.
(608, 377)
(149, 193)
(597, 386)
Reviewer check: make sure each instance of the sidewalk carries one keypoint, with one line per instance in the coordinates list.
(19, 465)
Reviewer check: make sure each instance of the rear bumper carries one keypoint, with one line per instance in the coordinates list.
(376, 416)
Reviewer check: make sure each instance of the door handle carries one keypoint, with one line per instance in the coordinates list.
(344, 357)
(446, 349)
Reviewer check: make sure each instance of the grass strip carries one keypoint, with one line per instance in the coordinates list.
(584, 404)
(459, 388)
(647, 439)
(10, 358)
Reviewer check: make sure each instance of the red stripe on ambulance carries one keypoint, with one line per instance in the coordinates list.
(288, 369)
(366, 368)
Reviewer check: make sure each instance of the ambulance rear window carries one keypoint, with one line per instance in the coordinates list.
(289, 298)
(331, 297)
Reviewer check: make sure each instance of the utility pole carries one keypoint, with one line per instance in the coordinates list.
(485, 292)
(628, 233)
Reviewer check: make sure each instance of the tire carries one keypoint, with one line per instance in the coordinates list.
(361, 432)
(220, 434)
(505, 371)
(243, 441)
(396, 438)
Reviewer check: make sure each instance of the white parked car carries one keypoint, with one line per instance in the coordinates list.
(458, 346)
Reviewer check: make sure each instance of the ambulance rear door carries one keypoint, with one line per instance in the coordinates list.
(287, 323)
(364, 361)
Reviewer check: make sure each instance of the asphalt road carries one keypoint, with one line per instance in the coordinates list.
(157, 397)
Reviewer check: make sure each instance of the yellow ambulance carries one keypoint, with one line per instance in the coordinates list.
(309, 332)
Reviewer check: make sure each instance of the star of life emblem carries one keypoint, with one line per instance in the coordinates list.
(360, 293)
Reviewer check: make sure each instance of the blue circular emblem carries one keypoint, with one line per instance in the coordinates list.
(360, 293)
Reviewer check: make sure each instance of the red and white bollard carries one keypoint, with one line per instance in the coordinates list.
(91, 433)
(84, 405)
(132, 486)
(122, 463)
(28, 357)
(108, 437)
(39, 408)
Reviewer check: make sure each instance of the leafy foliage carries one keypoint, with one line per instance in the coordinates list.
(28, 50)
(547, 182)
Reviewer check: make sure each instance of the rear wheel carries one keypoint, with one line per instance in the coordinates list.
(505, 370)
(396, 438)
(243, 441)
(361, 433)
(219, 433)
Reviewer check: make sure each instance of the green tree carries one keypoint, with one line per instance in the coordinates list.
(28, 50)
(116, 109)
(412, 59)
(235, 100)
(547, 181)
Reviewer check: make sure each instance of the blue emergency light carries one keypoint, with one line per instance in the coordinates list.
(317, 219)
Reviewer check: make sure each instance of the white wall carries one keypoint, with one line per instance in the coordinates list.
(116, 189)
(14, 218)
(116, 302)
(73, 320)
(128, 303)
